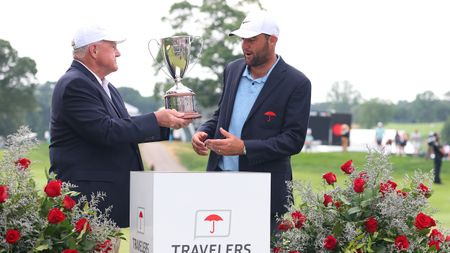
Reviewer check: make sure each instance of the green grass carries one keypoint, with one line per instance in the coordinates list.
(423, 128)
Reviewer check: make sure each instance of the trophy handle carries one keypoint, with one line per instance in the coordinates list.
(197, 57)
(154, 57)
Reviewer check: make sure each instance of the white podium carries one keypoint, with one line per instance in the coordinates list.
(210, 212)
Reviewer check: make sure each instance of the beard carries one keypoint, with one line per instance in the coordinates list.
(259, 58)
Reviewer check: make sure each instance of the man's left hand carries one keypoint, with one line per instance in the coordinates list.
(231, 145)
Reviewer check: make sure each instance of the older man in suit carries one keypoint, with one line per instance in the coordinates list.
(94, 141)
(263, 112)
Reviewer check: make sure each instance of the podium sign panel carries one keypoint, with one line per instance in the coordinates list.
(213, 212)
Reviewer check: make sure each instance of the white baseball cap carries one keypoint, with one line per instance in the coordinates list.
(255, 23)
(92, 33)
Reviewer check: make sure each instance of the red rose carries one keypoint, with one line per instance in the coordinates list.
(447, 239)
(294, 251)
(358, 185)
(330, 177)
(436, 238)
(68, 202)
(285, 225)
(106, 246)
(23, 163)
(330, 242)
(424, 221)
(276, 250)
(55, 216)
(425, 190)
(362, 174)
(385, 187)
(70, 251)
(371, 225)
(401, 242)
(298, 218)
(337, 204)
(80, 224)
(3, 193)
(53, 188)
(402, 193)
(436, 244)
(327, 199)
(12, 236)
(347, 167)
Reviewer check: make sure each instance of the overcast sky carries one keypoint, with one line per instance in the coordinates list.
(391, 49)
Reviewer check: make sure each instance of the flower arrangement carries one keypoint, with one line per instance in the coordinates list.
(371, 213)
(50, 220)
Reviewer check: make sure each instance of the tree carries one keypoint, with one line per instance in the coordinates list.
(343, 97)
(370, 112)
(425, 107)
(144, 104)
(402, 112)
(215, 20)
(447, 96)
(17, 75)
(39, 118)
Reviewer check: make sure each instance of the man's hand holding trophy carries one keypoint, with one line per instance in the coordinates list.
(176, 53)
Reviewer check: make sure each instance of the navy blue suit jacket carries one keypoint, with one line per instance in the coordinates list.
(275, 128)
(94, 139)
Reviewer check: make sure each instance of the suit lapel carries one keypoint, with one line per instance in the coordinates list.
(117, 103)
(272, 82)
(94, 80)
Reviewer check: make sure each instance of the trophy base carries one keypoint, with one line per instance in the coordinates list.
(183, 102)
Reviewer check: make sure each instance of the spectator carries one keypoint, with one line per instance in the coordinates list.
(438, 155)
(430, 141)
(397, 142)
(309, 140)
(345, 135)
(403, 142)
(379, 134)
(415, 141)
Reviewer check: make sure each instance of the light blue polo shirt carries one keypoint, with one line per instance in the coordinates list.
(246, 95)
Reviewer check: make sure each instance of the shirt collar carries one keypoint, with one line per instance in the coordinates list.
(101, 82)
(263, 79)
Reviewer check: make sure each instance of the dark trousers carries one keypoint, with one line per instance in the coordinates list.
(437, 169)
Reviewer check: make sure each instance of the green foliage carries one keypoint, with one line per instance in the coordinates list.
(425, 108)
(39, 118)
(368, 213)
(343, 97)
(422, 104)
(370, 112)
(45, 220)
(16, 88)
(144, 104)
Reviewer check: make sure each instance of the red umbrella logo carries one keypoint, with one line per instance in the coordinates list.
(141, 216)
(269, 115)
(213, 218)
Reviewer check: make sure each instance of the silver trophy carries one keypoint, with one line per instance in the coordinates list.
(176, 52)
